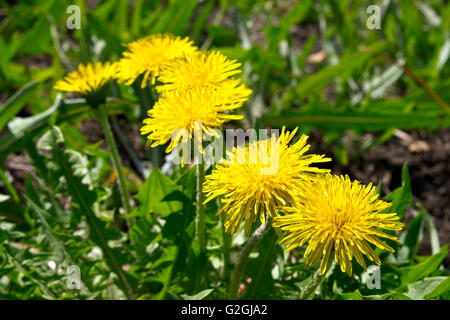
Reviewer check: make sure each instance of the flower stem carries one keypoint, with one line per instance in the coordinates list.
(249, 246)
(200, 207)
(226, 239)
(103, 119)
(311, 287)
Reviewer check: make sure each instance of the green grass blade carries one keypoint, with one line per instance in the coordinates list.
(16, 102)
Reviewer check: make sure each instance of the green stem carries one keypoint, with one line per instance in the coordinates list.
(249, 246)
(10, 188)
(103, 118)
(311, 287)
(200, 207)
(226, 239)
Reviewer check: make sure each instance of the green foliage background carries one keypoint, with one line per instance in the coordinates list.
(70, 212)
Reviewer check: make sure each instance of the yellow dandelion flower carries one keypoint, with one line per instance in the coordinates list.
(336, 213)
(179, 111)
(88, 78)
(259, 177)
(201, 69)
(146, 56)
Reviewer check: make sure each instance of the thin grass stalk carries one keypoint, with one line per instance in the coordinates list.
(103, 119)
(200, 207)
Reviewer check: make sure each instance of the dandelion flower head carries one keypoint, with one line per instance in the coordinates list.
(202, 69)
(259, 177)
(146, 56)
(340, 215)
(88, 79)
(178, 112)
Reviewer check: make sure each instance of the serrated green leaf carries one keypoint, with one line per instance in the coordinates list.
(57, 245)
(50, 139)
(83, 198)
